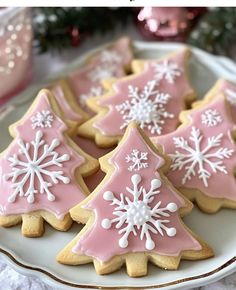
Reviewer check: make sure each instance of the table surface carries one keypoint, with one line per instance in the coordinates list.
(44, 65)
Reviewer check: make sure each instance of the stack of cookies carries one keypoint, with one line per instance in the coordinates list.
(122, 146)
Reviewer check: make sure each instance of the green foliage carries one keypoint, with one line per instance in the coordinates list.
(216, 31)
(53, 25)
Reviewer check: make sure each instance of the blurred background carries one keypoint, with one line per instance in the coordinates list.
(35, 42)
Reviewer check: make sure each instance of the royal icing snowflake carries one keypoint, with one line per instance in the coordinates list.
(100, 72)
(138, 213)
(137, 159)
(198, 161)
(231, 96)
(211, 118)
(109, 56)
(31, 169)
(146, 108)
(166, 70)
(94, 92)
(42, 119)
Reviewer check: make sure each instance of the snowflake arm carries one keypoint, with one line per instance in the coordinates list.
(193, 159)
(211, 118)
(137, 160)
(108, 56)
(137, 213)
(146, 108)
(100, 73)
(167, 71)
(42, 119)
(36, 166)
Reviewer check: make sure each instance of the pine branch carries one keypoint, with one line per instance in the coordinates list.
(52, 26)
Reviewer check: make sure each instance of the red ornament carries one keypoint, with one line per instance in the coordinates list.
(75, 36)
(167, 23)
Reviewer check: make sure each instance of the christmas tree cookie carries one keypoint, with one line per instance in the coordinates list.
(153, 96)
(73, 114)
(229, 90)
(134, 215)
(41, 170)
(203, 154)
(112, 61)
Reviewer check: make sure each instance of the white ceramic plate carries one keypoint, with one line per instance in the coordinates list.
(37, 256)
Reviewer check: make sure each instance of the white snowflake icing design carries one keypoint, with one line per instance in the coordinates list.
(166, 70)
(42, 119)
(138, 214)
(94, 92)
(102, 72)
(34, 164)
(231, 96)
(199, 161)
(146, 108)
(138, 160)
(109, 56)
(211, 118)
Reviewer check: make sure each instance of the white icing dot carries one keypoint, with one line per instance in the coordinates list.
(108, 195)
(150, 245)
(171, 232)
(106, 223)
(30, 198)
(172, 207)
(123, 243)
(155, 183)
(51, 197)
(136, 178)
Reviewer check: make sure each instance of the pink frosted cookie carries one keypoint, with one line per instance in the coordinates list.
(229, 90)
(112, 61)
(133, 216)
(41, 170)
(203, 154)
(153, 96)
(72, 112)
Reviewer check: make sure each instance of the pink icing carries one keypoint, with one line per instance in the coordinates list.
(92, 242)
(110, 124)
(60, 97)
(220, 185)
(223, 87)
(67, 195)
(80, 80)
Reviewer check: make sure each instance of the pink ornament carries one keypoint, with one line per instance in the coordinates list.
(167, 23)
(15, 51)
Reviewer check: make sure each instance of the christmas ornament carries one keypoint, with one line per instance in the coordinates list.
(167, 23)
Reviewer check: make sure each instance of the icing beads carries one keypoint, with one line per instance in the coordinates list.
(138, 214)
(41, 170)
(153, 97)
(111, 62)
(149, 112)
(203, 154)
(132, 214)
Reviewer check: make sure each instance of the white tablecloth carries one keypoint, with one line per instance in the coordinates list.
(44, 65)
